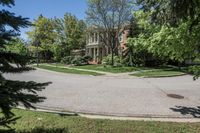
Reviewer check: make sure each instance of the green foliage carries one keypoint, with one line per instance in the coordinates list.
(17, 46)
(141, 29)
(174, 43)
(57, 36)
(67, 60)
(87, 59)
(74, 30)
(14, 92)
(77, 60)
(43, 35)
(178, 38)
(70, 33)
(108, 61)
(57, 52)
(172, 12)
(196, 71)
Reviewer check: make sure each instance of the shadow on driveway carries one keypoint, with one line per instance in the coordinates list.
(192, 111)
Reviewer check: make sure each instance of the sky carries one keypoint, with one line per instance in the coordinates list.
(48, 8)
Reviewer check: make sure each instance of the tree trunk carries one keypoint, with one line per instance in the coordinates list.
(131, 57)
(45, 56)
(112, 54)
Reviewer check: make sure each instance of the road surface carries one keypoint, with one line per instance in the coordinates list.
(117, 95)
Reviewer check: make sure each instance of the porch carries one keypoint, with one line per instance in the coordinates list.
(96, 52)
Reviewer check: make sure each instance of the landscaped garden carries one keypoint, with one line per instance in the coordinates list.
(40, 122)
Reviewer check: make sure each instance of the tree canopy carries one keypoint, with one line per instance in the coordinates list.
(170, 28)
(57, 37)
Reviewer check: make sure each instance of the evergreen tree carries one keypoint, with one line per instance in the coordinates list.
(14, 92)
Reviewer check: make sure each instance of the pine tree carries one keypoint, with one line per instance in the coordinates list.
(14, 92)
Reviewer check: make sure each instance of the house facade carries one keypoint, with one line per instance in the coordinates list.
(96, 48)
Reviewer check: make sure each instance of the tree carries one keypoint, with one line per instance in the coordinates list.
(172, 12)
(43, 35)
(174, 43)
(17, 45)
(179, 14)
(133, 56)
(109, 16)
(70, 33)
(14, 92)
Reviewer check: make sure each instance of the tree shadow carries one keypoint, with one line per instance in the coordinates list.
(37, 130)
(193, 111)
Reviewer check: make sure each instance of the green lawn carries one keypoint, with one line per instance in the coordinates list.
(162, 71)
(107, 68)
(159, 73)
(39, 122)
(66, 70)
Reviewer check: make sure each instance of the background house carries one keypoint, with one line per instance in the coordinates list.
(96, 48)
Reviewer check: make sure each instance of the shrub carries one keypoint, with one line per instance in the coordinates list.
(195, 70)
(86, 59)
(77, 61)
(108, 61)
(67, 60)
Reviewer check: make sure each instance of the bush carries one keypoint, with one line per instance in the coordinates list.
(77, 61)
(108, 61)
(195, 70)
(67, 60)
(86, 59)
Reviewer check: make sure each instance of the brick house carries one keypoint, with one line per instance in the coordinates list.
(97, 49)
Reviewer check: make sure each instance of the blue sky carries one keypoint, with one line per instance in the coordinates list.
(48, 8)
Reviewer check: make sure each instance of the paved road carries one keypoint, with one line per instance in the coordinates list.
(121, 96)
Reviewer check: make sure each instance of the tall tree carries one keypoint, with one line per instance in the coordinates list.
(14, 92)
(17, 45)
(111, 16)
(180, 17)
(172, 11)
(43, 35)
(70, 33)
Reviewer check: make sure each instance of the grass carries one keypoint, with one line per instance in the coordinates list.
(162, 71)
(107, 68)
(40, 122)
(66, 70)
(159, 73)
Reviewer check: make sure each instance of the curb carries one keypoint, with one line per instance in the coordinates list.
(115, 117)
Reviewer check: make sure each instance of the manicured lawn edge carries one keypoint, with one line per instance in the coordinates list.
(109, 69)
(66, 70)
(160, 73)
(100, 68)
